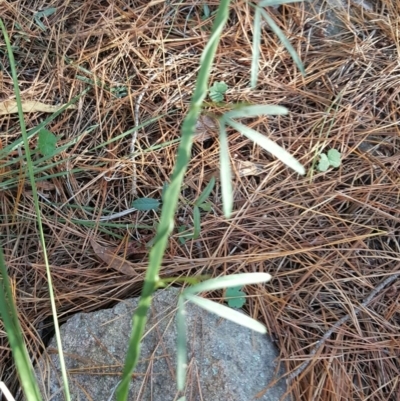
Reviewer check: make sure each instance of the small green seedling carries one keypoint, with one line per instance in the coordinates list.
(45, 13)
(235, 297)
(200, 203)
(47, 142)
(332, 159)
(217, 91)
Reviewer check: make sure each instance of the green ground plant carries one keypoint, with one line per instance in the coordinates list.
(169, 206)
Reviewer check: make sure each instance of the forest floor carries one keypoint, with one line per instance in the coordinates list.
(329, 239)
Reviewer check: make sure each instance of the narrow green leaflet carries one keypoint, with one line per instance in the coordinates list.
(268, 3)
(268, 145)
(284, 40)
(206, 206)
(47, 142)
(45, 13)
(181, 351)
(256, 47)
(229, 281)
(206, 193)
(227, 313)
(226, 175)
(255, 111)
(143, 204)
(196, 222)
(206, 11)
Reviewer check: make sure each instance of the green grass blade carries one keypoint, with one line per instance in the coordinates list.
(31, 175)
(196, 222)
(171, 198)
(269, 146)
(284, 40)
(181, 351)
(256, 48)
(268, 3)
(206, 193)
(226, 174)
(228, 281)
(256, 110)
(9, 148)
(227, 313)
(9, 316)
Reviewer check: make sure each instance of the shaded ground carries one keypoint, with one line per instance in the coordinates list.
(329, 239)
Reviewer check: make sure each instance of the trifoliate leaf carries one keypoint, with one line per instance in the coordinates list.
(46, 142)
(217, 91)
(221, 87)
(235, 297)
(323, 164)
(216, 96)
(334, 157)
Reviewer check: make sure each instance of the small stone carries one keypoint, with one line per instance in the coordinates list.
(226, 362)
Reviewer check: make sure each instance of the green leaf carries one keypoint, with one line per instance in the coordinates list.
(227, 313)
(196, 222)
(206, 207)
(164, 190)
(229, 281)
(255, 111)
(206, 11)
(334, 157)
(284, 40)
(226, 175)
(323, 164)
(268, 3)
(217, 91)
(9, 318)
(219, 86)
(41, 14)
(206, 193)
(256, 48)
(47, 142)
(181, 351)
(183, 238)
(146, 204)
(268, 145)
(235, 297)
(216, 97)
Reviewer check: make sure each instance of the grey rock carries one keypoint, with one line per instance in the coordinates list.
(328, 10)
(227, 362)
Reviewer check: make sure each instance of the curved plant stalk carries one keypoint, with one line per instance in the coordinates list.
(171, 197)
(31, 175)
